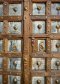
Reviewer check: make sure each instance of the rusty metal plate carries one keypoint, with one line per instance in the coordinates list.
(1, 27)
(55, 8)
(55, 27)
(38, 80)
(41, 45)
(14, 63)
(55, 80)
(14, 79)
(1, 10)
(38, 9)
(15, 27)
(15, 9)
(38, 27)
(38, 64)
(55, 45)
(55, 63)
(1, 62)
(14, 45)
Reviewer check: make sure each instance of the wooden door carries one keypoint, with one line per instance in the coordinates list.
(29, 41)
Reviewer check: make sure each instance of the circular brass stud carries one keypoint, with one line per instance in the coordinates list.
(57, 63)
(25, 8)
(57, 81)
(15, 28)
(58, 26)
(15, 9)
(38, 63)
(39, 8)
(57, 45)
(39, 26)
(58, 8)
(38, 81)
(15, 80)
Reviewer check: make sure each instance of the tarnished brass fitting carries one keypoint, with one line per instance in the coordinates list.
(39, 8)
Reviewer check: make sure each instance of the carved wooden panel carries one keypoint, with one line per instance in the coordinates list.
(29, 41)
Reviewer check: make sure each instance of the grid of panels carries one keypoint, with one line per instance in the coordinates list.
(45, 31)
(11, 42)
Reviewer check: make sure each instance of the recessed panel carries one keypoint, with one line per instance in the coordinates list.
(14, 63)
(1, 62)
(15, 27)
(41, 45)
(55, 63)
(55, 8)
(14, 45)
(55, 45)
(1, 45)
(14, 79)
(38, 80)
(55, 27)
(39, 27)
(15, 9)
(1, 27)
(1, 79)
(1, 10)
(38, 9)
(55, 80)
(38, 64)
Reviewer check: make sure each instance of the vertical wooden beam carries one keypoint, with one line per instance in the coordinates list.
(48, 41)
(26, 42)
(5, 42)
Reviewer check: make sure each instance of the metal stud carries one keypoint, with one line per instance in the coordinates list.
(39, 26)
(15, 28)
(15, 9)
(57, 81)
(38, 81)
(39, 8)
(58, 8)
(57, 64)
(38, 64)
(58, 26)
(25, 8)
(15, 80)
(57, 45)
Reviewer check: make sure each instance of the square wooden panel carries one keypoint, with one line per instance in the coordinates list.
(38, 80)
(55, 8)
(38, 27)
(55, 27)
(14, 9)
(1, 9)
(14, 79)
(55, 45)
(14, 45)
(38, 64)
(55, 63)
(38, 8)
(14, 63)
(15, 28)
(41, 45)
(55, 80)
